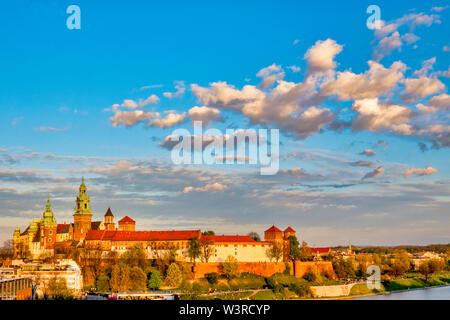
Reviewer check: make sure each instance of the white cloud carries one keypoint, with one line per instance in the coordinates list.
(169, 120)
(205, 114)
(320, 57)
(428, 170)
(207, 188)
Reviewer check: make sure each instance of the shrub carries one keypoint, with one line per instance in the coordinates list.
(300, 289)
(199, 288)
(213, 277)
(271, 282)
(310, 277)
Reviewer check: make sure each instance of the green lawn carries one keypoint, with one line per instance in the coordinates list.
(263, 295)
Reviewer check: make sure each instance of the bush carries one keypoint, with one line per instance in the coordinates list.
(310, 277)
(270, 282)
(278, 288)
(186, 287)
(213, 277)
(199, 288)
(300, 289)
(248, 275)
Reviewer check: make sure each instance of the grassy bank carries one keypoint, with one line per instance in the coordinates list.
(442, 278)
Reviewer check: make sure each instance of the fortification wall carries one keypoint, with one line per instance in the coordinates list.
(262, 268)
(318, 267)
(267, 269)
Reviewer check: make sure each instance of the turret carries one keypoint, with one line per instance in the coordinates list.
(109, 220)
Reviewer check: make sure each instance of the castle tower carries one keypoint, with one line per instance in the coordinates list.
(273, 234)
(127, 224)
(82, 215)
(288, 232)
(48, 227)
(109, 220)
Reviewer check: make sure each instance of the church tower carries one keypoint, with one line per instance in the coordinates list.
(48, 227)
(82, 215)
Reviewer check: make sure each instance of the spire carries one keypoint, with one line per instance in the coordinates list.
(48, 213)
(48, 207)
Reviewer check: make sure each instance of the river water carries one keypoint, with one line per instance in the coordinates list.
(441, 293)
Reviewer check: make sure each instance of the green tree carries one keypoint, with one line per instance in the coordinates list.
(254, 236)
(230, 267)
(135, 257)
(120, 278)
(57, 289)
(155, 281)
(294, 250)
(194, 250)
(206, 249)
(138, 279)
(174, 276)
(424, 268)
(102, 283)
(275, 252)
(208, 233)
(304, 253)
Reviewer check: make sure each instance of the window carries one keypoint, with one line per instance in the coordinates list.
(50, 232)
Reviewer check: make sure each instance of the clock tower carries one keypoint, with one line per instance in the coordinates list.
(82, 215)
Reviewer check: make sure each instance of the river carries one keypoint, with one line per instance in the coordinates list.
(440, 293)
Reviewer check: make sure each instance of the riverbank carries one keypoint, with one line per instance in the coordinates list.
(401, 285)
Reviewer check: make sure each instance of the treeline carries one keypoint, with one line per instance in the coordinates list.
(438, 248)
(131, 271)
(393, 265)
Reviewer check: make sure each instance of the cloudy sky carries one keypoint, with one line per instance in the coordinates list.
(363, 115)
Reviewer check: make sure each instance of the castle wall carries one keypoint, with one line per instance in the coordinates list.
(267, 269)
(321, 267)
(262, 268)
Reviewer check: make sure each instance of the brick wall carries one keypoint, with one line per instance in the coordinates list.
(319, 267)
(268, 268)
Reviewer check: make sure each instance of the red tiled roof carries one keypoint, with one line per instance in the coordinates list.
(229, 238)
(289, 229)
(141, 235)
(273, 229)
(320, 250)
(62, 228)
(126, 219)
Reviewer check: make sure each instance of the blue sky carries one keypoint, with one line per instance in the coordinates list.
(67, 111)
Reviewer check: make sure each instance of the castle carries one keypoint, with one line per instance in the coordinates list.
(44, 237)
